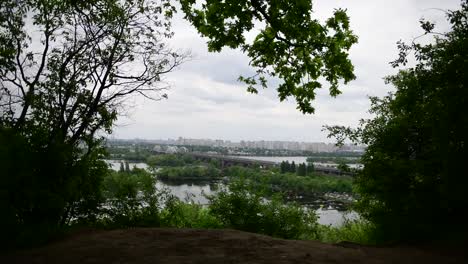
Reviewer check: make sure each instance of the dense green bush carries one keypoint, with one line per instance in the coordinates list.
(413, 184)
(189, 173)
(311, 184)
(170, 160)
(187, 215)
(244, 207)
(132, 199)
(44, 184)
(129, 153)
(357, 231)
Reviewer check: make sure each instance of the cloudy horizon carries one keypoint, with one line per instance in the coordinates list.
(207, 101)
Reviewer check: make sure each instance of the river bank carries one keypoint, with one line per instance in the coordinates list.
(330, 207)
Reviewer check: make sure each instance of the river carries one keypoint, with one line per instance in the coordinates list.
(196, 190)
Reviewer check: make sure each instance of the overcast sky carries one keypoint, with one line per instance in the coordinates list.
(206, 101)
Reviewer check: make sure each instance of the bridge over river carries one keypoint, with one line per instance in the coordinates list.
(242, 161)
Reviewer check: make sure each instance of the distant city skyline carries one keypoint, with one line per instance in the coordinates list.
(260, 144)
(207, 138)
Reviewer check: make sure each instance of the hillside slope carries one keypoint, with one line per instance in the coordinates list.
(158, 245)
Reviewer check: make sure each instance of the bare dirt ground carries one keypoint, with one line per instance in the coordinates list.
(162, 245)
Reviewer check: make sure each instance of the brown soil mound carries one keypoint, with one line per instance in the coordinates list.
(158, 245)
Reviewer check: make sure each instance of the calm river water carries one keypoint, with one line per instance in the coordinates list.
(196, 190)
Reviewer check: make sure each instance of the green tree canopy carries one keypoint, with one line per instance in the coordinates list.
(285, 166)
(301, 169)
(310, 168)
(65, 69)
(413, 183)
(292, 168)
(292, 45)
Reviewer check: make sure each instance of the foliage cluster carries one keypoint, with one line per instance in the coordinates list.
(180, 214)
(292, 45)
(356, 231)
(132, 200)
(243, 206)
(64, 75)
(128, 153)
(170, 160)
(311, 184)
(42, 189)
(344, 167)
(413, 183)
(301, 169)
(198, 172)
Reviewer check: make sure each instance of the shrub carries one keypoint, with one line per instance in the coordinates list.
(413, 185)
(244, 207)
(356, 231)
(313, 183)
(131, 199)
(45, 183)
(187, 215)
(170, 160)
(189, 173)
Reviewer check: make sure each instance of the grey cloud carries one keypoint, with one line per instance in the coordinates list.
(206, 101)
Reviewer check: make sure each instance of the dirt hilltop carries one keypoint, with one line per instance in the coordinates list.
(164, 245)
